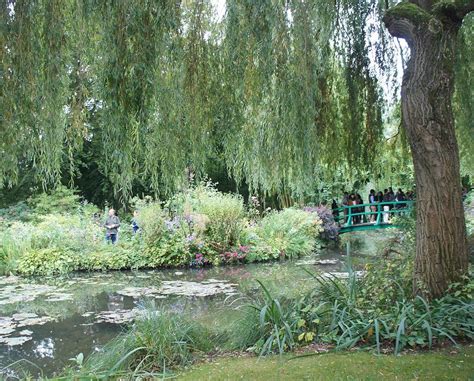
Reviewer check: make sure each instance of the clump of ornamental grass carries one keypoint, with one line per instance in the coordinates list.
(157, 343)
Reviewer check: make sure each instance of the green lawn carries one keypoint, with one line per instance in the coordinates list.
(342, 366)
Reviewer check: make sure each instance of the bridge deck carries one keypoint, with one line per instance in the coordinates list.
(345, 215)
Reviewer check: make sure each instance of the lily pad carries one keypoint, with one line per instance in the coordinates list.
(342, 275)
(137, 291)
(207, 288)
(118, 316)
(59, 297)
(23, 316)
(6, 331)
(12, 341)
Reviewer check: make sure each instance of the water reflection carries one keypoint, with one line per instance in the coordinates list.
(45, 348)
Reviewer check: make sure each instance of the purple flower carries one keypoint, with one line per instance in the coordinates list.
(190, 238)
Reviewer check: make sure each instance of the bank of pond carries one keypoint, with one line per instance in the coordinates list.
(57, 234)
(156, 323)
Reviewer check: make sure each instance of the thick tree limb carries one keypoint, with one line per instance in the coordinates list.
(402, 19)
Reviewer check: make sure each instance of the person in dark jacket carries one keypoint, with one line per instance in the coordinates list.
(112, 223)
(360, 209)
(400, 196)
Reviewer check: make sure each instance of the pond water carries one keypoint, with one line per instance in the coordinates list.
(44, 322)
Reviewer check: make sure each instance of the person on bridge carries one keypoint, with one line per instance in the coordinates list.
(386, 207)
(334, 208)
(345, 202)
(400, 196)
(360, 209)
(373, 208)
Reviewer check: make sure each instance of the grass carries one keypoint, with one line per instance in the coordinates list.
(441, 365)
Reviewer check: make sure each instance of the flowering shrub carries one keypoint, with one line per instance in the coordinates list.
(199, 260)
(235, 256)
(330, 228)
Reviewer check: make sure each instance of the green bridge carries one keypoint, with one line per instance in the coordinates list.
(351, 219)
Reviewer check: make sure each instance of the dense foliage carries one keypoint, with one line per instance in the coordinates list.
(58, 233)
(138, 97)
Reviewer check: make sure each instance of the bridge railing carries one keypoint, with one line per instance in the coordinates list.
(347, 213)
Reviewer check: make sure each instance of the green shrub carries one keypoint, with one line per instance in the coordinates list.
(47, 261)
(17, 212)
(59, 200)
(150, 220)
(170, 250)
(10, 252)
(289, 233)
(107, 257)
(224, 216)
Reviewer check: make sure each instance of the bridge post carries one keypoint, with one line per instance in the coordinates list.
(349, 216)
(377, 222)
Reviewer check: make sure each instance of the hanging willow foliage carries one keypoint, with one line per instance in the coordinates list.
(278, 91)
(34, 86)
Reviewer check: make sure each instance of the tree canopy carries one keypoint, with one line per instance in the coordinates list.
(276, 91)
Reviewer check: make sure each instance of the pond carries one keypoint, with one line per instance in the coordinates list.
(44, 322)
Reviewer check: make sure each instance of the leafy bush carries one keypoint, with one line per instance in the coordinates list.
(47, 261)
(10, 252)
(289, 233)
(18, 212)
(347, 312)
(350, 319)
(330, 230)
(61, 200)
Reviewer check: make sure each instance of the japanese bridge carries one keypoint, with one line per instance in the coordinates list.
(361, 217)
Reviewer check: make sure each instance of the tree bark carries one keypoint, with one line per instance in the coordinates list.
(427, 90)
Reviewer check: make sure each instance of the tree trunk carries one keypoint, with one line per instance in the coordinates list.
(427, 90)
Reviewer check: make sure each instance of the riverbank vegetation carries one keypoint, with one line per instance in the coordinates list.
(337, 314)
(59, 233)
(372, 310)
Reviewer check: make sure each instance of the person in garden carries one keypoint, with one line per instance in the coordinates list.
(112, 223)
(135, 226)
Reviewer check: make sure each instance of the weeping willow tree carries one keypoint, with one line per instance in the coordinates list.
(279, 92)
